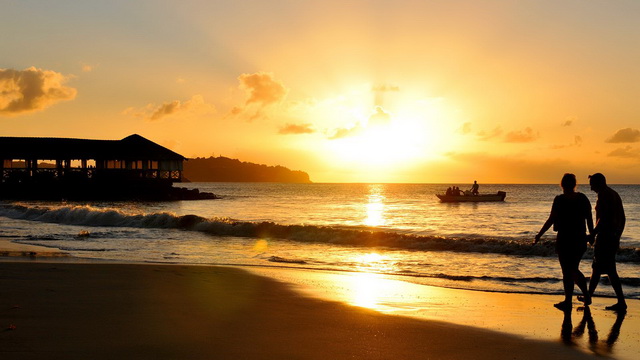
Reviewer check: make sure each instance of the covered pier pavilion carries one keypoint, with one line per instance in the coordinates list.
(33, 167)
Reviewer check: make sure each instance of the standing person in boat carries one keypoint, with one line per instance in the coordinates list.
(610, 221)
(475, 187)
(570, 212)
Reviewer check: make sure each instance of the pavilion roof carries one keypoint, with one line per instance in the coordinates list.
(133, 147)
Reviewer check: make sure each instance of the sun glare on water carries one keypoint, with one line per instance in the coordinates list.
(375, 208)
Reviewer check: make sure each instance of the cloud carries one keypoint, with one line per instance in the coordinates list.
(577, 141)
(386, 88)
(519, 136)
(344, 132)
(88, 67)
(296, 129)
(627, 135)
(526, 135)
(569, 121)
(380, 117)
(484, 136)
(465, 128)
(262, 90)
(194, 106)
(625, 152)
(32, 89)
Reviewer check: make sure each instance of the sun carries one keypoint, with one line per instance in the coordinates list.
(387, 138)
(400, 140)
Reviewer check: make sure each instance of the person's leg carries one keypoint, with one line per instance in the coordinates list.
(617, 287)
(593, 282)
(581, 281)
(567, 281)
(579, 278)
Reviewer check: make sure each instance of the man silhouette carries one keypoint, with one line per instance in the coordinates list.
(610, 221)
(475, 187)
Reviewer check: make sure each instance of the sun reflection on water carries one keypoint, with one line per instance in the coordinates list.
(374, 207)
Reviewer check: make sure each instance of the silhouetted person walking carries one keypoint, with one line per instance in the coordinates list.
(570, 216)
(610, 221)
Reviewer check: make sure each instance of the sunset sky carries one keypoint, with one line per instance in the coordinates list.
(349, 91)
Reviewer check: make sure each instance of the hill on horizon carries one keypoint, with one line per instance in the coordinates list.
(223, 169)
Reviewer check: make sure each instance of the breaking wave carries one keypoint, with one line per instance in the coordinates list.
(91, 216)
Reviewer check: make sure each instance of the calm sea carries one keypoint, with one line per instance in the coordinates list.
(396, 229)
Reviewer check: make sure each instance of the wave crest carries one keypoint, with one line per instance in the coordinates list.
(90, 216)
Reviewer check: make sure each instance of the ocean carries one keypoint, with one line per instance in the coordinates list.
(399, 230)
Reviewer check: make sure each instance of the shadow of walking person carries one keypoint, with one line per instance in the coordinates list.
(614, 333)
(570, 335)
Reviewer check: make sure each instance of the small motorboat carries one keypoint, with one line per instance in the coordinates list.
(468, 197)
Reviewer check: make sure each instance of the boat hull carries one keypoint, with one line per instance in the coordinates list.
(473, 198)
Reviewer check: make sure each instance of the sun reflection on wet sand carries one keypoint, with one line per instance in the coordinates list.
(373, 291)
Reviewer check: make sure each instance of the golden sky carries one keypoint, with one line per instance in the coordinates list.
(348, 91)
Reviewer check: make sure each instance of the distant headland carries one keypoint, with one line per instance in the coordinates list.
(223, 169)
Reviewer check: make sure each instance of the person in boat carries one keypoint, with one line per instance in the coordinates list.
(456, 191)
(570, 217)
(449, 191)
(474, 188)
(610, 222)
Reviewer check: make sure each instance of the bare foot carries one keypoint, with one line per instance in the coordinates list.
(620, 307)
(564, 306)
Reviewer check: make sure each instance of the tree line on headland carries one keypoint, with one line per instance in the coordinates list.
(223, 169)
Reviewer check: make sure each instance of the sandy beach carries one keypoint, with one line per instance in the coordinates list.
(72, 310)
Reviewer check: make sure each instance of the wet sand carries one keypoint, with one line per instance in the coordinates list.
(62, 310)
(592, 330)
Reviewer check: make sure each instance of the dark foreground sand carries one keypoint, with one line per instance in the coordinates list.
(61, 310)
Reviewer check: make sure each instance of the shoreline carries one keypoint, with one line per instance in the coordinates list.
(10, 249)
(292, 296)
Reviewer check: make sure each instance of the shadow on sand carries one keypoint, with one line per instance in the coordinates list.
(570, 335)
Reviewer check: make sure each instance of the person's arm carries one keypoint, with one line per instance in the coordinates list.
(545, 227)
(548, 223)
(589, 217)
(621, 218)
